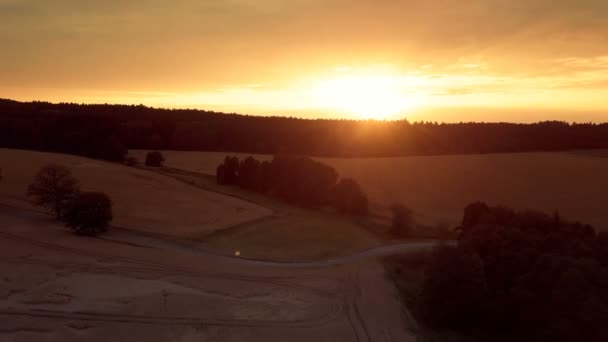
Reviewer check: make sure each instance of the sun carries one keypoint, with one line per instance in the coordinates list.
(364, 96)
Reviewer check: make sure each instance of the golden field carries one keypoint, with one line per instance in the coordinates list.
(143, 200)
(438, 187)
(222, 219)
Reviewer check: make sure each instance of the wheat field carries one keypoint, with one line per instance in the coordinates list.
(143, 200)
(437, 188)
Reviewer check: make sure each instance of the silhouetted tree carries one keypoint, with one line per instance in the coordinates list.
(52, 187)
(301, 180)
(89, 213)
(454, 290)
(249, 173)
(220, 174)
(227, 173)
(538, 277)
(113, 150)
(403, 220)
(265, 181)
(473, 213)
(155, 159)
(348, 198)
(298, 180)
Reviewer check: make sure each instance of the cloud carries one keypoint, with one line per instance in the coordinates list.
(187, 46)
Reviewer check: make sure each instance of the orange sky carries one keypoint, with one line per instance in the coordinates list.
(449, 60)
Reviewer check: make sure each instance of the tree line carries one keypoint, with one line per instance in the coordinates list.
(297, 180)
(519, 276)
(107, 131)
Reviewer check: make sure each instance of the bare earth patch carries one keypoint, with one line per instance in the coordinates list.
(68, 291)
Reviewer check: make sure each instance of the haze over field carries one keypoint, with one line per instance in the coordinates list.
(437, 188)
(490, 60)
(304, 170)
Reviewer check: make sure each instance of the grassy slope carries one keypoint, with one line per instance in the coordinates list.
(438, 187)
(143, 200)
(290, 234)
(225, 219)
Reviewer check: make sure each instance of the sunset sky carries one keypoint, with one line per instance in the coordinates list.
(450, 60)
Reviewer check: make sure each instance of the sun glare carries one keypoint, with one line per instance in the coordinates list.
(364, 97)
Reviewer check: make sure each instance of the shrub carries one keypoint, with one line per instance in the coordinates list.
(53, 187)
(155, 159)
(89, 213)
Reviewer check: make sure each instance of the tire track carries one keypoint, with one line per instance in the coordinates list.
(165, 320)
(166, 269)
(158, 269)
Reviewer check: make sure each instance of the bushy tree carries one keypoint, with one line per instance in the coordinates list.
(227, 173)
(249, 173)
(546, 278)
(220, 174)
(348, 198)
(155, 159)
(113, 150)
(455, 290)
(89, 213)
(299, 180)
(402, 220)
(53, 187)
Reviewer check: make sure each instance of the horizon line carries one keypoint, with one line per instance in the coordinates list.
(295, 117)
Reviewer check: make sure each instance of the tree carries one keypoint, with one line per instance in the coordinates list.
(454, 290)
(348, 198)
(113, 150)
(403, 220)
(155, 159)
(227, 173)
(89, 213)
(519, 276)
(220, 174)
(53, 187)
(249, 173)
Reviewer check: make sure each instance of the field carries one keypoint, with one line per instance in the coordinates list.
(143, 200)
(289, 234)
(225, 220)
(57, 286)
(158, 279)
(438, 187)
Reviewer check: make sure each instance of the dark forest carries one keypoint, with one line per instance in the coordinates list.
(106, 131)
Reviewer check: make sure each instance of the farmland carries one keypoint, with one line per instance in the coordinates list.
(437, 188)
(143, 200)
